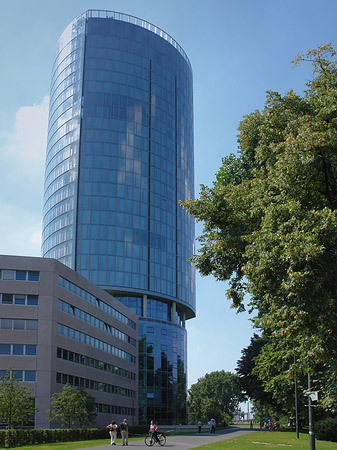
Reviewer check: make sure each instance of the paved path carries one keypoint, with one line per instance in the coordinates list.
(185, 442)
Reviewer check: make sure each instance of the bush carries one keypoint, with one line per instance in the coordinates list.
(19, 437)
(326, 430)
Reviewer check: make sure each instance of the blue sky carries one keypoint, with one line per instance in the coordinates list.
(239, 49)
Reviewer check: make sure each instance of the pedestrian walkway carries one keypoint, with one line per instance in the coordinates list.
(186, 442)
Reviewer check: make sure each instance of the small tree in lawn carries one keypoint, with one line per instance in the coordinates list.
(72, 405)
(16, 401)
(89, 415)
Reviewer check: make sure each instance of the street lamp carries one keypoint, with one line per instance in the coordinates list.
(311, 415)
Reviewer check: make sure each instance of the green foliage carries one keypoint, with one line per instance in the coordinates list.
(16, 438)
(250, 383)
(72, 405)
(326, 430)
(270, 223)
(16, 402)
(214, 395)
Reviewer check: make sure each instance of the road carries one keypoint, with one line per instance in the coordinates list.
(185, 442)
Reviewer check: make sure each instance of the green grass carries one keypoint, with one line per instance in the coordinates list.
(72, 445)
(264, 440)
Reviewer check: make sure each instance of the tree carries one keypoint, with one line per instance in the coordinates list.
(250, 384)
(215, 395)
(16, 402)
(72, 405)
(265, 377)
(90, 414)
(270, 218)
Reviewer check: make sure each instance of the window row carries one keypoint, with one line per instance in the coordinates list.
(19, 275)
(113, 409)
(19, 299)
(20, 375)
(95, 301)
(94, 321)
(18, 324)
(18, 349)
(94, 342)
(85, 383)
(67, 355)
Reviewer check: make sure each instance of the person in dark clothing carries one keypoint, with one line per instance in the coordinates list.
(123, 426)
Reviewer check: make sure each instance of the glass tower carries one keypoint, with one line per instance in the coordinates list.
(119, 158)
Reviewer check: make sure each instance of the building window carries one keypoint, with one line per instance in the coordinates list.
(112, 409)
(71, 287)
(94, 363)
(5, 349)
(7, 299)
(93, 342)
(20, 275)
(20, 375)
(94, 321)
(18, 324)
(19, 299)
(30, 375)
(8, 274)
(30, 350)
(18, 349)
(32, 300)
(94, 385)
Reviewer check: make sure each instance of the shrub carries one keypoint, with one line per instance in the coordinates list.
(19, 437)
(326, 430)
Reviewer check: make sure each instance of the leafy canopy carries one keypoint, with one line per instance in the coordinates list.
(270, 217)
(216, 395)
(16, 402)
(72, 405)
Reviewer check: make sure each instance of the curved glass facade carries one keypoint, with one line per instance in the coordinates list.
(119, 158)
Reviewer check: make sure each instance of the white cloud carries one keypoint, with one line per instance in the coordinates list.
(30, 138)
(22, 156)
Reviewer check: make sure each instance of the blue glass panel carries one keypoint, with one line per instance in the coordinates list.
(17, 349)
(30, 375)
(30, 350)
(5, 349)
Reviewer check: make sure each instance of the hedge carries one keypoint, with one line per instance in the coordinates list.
(326, 430)
(19, 437)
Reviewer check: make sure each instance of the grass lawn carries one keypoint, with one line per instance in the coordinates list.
(264, 440)
(71, 445)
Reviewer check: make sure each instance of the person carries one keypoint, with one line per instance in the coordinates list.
(212, 423)
(123, 426)
(199, 424)
(153, 431)
(113, 431)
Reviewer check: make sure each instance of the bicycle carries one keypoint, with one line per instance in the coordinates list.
(150, 440)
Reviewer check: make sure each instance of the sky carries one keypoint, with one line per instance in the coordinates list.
(238, 49)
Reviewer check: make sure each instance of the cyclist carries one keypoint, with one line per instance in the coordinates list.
(153, 431)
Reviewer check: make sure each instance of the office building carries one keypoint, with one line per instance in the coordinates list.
(119, 159)
(56, 327)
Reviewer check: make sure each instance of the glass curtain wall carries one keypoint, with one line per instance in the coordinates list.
(119, 158)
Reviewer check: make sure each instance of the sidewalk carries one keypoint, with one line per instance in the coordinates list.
(186, 442)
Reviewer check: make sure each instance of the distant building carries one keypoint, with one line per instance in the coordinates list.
(119, 158)
(56, 327)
